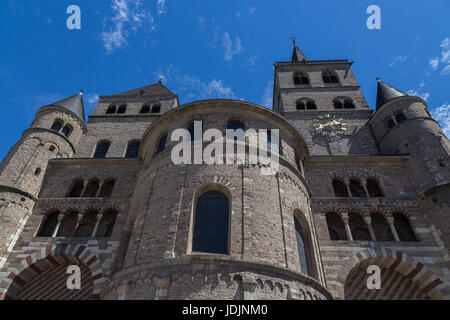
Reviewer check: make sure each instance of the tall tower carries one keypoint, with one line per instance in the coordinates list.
(54, 133)
(402, 124)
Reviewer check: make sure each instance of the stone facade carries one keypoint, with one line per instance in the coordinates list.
(354, 188)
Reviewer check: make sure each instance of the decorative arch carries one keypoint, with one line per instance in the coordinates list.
(300, 218)
(399, 261)
(55, 255)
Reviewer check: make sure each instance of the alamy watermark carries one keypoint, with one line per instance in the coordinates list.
(374, 20)
(74, 20)
(262, 147)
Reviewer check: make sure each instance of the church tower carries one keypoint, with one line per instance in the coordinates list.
(54, 133)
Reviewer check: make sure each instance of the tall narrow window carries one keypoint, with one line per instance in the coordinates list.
(106, 225)
(102, 149)
(107, 188)
(122, 109)
(91, 189)
(340, 189)
(358, 227)
(67, 130)
(211, 223)
(111, 109)
(156, 108)
(357, 189)
(301, 79)
(76, 190)
(57, 125)
(132, 149)
(49, 225)
(336, 226)
(373, 188)
(301, 247)
(380, 227)
(87, 224)
(403, 227)
(161, 144)
(330, 78)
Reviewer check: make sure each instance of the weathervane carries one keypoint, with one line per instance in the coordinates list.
(161, 78)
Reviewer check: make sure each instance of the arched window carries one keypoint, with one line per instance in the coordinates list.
(68, 224)
(235, 125)
(49, 225)
(400, 118)
(343, 103)
(77, 189)
(57, 125)
(106, 225)
(340, 189)
(107, 188)
(381, 228)
(357, 189)
(211, 223)
(161, 144)
(301, 247)
(301, 79)
(330, 78)
(87, 224)
(122, 109)
(336, 226)
(358, 227)
(91, 189)
(145, 108)
(373, 188)
(156, 108)
(403, 227)
(306, 104)
(111, 109)
(133, 149)
(67, 130)
(102, 149)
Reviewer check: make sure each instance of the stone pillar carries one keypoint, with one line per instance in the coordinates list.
(390, 221)
(344, 217)
(99, 218)
(79, 218)
(368, 221)
(347, 184)
(100, 186)
(58, 225)
(364, 184)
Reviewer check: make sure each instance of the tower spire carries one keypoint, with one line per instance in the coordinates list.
(386, 93)
(297, 55)
(74, 104)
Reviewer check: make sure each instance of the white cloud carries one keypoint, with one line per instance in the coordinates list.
(161, 5)
(396, 60)
(202, 22)
(267, 98)
(128, 14)
(91, 100)
(231, 49)
(252, 60)
(252, 10)
(442, 115)
(192, 88)
(434, 63)
(443, 60)
(424, 95)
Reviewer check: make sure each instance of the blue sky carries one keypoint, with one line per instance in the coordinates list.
(211, 49)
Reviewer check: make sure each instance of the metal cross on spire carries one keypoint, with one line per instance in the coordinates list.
(293, 38)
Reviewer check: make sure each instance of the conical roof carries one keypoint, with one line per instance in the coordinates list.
(298, 55)
(386, 93)
(74, 104)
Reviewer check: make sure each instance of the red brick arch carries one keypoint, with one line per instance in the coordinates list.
(29, 267)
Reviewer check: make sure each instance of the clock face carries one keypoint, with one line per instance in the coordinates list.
(329, 126)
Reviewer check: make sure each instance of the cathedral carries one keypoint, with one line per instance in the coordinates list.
(357, 210)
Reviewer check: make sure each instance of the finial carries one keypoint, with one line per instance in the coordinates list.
(293, 40)
(161, 78)
(81, 91)
(378, 79)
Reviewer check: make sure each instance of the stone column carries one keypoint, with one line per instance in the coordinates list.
(368, 221)
(100, 185)
(347, 184)
(344, 217)
(390, 221)
(58, 225)
(79, 218)
(99, 218)
(364, 184)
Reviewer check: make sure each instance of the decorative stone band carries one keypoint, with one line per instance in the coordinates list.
(29, 267)
(212, 277)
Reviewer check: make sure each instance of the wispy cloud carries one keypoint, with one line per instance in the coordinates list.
(442, 115)
(444, 60)
(90, 101)
(397, 60)
(267, 98)
(128, 15)
(161, 6)
(434, 63)
(423, 95)
(193, 88)
(230, 47)
(202, 22)
(252, 10)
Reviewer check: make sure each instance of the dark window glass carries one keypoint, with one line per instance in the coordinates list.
(101, 150)
(301, 79)
(66, 131)
(301, 247)
(107, 189)
(329, 78)
(336, 227)
(358, 227)
(133, 149)
(311, 105)
(235, 125)
(400, 118)
(340, 189)
(156, 108)
(57, 125)
(49, 225)
(191, 131)
(91, 189)
(403, 227)
(145, 109)
(68, 224)
(122, 109)
(106, 225)
(87, 224)
(162, 144)
(338, 104)
(77, 189)
(356, 189)
(300, 105)
(111, 109)
(349, 104)
(211, 223)
(381, 228)
(373, 188)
